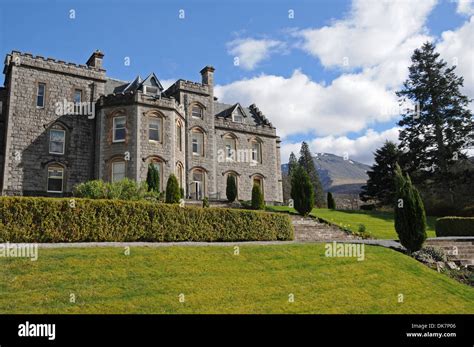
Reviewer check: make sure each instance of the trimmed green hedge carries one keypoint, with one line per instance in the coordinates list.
(455, 226)
(34, 219)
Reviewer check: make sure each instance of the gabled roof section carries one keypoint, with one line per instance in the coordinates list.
(153, 81)
(133, 85)
(226, 110)
(252, 113)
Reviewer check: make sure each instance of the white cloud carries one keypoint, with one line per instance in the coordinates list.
(457, 48)
(299, 105)
(360, 149)
(371, 33)
(465, 7)
(252, 51)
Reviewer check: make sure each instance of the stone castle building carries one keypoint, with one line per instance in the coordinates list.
(62, 124)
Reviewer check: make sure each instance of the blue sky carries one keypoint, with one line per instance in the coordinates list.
(292, 61)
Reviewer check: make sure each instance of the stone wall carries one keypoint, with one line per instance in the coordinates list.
(26, 148)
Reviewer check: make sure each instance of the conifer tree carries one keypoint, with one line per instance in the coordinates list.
(307, 163)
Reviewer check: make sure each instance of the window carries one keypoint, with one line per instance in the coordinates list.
(154, 129)
(57, 139)
(198, 142)
(180, 172)
(197, 185)
(256, 152)
(196, 111)
(55, 179)
(230, 147)
(179, 136)
(118, 171)
(119, 129)
(40, 95)
(150, 90)
(237, 117)
(77, 100)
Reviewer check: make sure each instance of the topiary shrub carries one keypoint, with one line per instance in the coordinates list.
(410, 219)
(302, 191)
(173, 193)
(454, 226)
(231, 188)
(205, 202)
(258, 202)
(34, 219)
(153, 178)
(331, 201)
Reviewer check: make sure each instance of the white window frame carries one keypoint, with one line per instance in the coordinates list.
(237, 114)
(160, 125)
(201, 114)
(64, 141)
(124, 170)
(257, 153)
(38, 94)
(114, 128)
(195, 141)
(61, 169)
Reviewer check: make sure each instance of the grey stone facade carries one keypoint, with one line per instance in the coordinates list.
(47, 149)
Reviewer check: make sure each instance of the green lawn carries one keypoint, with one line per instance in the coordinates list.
(214, 280)
(379, 225)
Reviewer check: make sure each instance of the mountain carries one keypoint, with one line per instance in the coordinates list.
(337, 174)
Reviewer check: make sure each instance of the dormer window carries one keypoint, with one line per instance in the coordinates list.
(150, 90)
(237, 117)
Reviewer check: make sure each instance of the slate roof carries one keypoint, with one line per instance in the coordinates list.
(253, 115)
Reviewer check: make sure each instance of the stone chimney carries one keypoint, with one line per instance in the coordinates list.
(207, 74)
(95, 60)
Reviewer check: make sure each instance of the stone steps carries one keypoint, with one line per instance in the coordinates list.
(308, 229)
(459, 250)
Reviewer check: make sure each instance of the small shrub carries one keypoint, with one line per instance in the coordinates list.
(361, 228)
(331, 201)
(125, 189)
(173, 193)
(430, 254)
(153, 178)
(205, 202)
(367, 207)
(454, 226)
(231, 188)
(258, 202)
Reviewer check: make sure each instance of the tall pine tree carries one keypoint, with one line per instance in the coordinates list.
(307, 163)
(292, 163)
(381, 183)
(439, 128)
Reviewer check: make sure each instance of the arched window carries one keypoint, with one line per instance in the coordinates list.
(197, 140)
(155, 128)
(55, 178)
(230, 144)
(57, 139)
(197, 184)
(256, 150)
(197, 111)
(179, 136)
(117, 170)
(180, 174)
